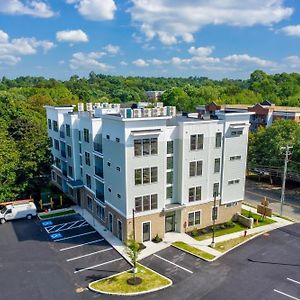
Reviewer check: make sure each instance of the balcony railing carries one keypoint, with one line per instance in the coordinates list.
(99, 172)
(100, 196)
(98, 147)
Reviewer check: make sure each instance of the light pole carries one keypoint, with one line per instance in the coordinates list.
(287, 153)
(214, 217)
(133, 231)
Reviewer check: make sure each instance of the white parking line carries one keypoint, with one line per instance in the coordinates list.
(93, 267)
(89, 254)
(287, 295)
(80, 245)
(293, 280)
(74, 224)
(81, 225)
(73, 236)
(53, 226)
(170, 262)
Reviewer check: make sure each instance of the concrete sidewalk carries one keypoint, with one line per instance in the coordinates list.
(171, 237)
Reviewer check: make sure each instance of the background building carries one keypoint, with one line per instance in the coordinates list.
(166, 167)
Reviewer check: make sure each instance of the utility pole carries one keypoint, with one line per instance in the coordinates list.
(287, 153)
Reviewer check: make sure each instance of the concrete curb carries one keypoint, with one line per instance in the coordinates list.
(208, 260)
(131, 294)
(56, 211)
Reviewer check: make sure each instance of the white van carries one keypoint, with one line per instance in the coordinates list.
(17, 211)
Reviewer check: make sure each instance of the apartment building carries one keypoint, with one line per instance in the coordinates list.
(165, 167)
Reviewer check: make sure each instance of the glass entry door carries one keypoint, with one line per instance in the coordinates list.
(170, 223)
(146, 232)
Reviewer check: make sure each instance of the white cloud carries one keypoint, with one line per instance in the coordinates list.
(112, 49)
(95, 10)
(201, 51)
(292, 30)
(11, 50)
(74, 36)
(140, 63)
(123, 63)
(34, 8)
(245, 58)
(88, 61)
(293, 61)
(172, 20)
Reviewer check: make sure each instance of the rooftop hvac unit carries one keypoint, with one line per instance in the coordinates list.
(159, 104)
(171, 110)
(97, 104)
(147, 112)
(89, 106)
(154, 112)
(80, 107)
(137, 113)
(161, 111)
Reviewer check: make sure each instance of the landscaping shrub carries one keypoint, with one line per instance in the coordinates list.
(249, 214)
(194, 232)
(204, 231)
(223, 226)
(142, 246)
(229, 224)
(156, 239)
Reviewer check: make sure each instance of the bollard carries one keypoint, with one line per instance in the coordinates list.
(41, 204)
(51, 203)
(61, 200)
(245, 233)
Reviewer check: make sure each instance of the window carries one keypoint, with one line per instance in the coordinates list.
(146, 175)
(57, 163)
(237, 157)
(68, 130)
(88, 181)
(194, 218)
(217, 165)
(59, 180)
(69, 151)
(232, 204)
(80, 160)
(196, 142)
(216, 189)
(154, 201)
(49, 124)
(146, 202)
(55, 126)
(86, 135)
(214, 213)
(236, 132)
(196, 168)
(138, 176)
(50, 142)
(170, 177)
(218, 139)
(195, 194)
(70, 171)
(170, 162)
(145, 147)
(89, 203)
(153, 174)
(169, 192)
(138, 204)
(79, 135)
(170, 149)
(56, 144)
(235, 181)
(87, 158)
(80, 148)
(108, 137)
(100, 211)
(117, 140)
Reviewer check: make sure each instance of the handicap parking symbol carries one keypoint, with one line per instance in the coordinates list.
(47, 223)
(55, 236)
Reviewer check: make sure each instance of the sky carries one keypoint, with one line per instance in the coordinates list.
(170, 38)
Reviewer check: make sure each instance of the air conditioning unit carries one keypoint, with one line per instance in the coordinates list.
(171, 111)
(159, 104)
(89, 106)
(137, 113)
(155, 112)
(80, 107)
(147, 112)
(161, 111)
(97, 105)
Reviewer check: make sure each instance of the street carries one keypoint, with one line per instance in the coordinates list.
(255, 191)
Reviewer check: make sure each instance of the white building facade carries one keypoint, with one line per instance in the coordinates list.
(166, 167)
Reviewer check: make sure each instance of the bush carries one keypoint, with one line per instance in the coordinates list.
(194, 232)
(156, 239)
(249, 214)
(141, 246)
(229, 224)
(223, 226)
(204, 231)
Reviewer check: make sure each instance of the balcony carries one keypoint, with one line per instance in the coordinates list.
(99, 172)
(100, 196)
(98, 147)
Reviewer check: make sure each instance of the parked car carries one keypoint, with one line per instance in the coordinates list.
(17, 211)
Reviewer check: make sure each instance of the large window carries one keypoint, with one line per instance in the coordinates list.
(49, 124)
(218, 139)
(88, 181)
(145, 203)
(69, 151)
(145, 175)
(196, 168)
(170, 147)
(216, 189)
(55, 126)
(68, 130)
(100, 211)
(235, 181)
(170, 177)
(86, 135)
(169, 192)
(217, 165)
(89, 203)
(194, 218)
(56, 144)
(70, 171)
(145, 147)
(196, 142)
(170, 162)
(87, 158)
(195, 194)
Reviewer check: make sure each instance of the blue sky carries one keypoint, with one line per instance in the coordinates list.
(214, 38)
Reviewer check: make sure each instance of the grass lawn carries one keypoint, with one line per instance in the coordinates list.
(218, 232)
(118, 283)
(256, 216)
(226, 245)
(56, 214)
(185, 247)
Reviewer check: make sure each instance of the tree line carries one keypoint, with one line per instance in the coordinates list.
(24, 154)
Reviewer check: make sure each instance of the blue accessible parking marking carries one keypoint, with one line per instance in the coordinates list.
(47, 223)
(55, 236)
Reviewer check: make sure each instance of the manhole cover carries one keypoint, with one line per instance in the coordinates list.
(80, 290)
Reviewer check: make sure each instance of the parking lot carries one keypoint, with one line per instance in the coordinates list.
(86, 253)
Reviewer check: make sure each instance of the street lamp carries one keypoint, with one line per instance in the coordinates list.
(214, 217)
